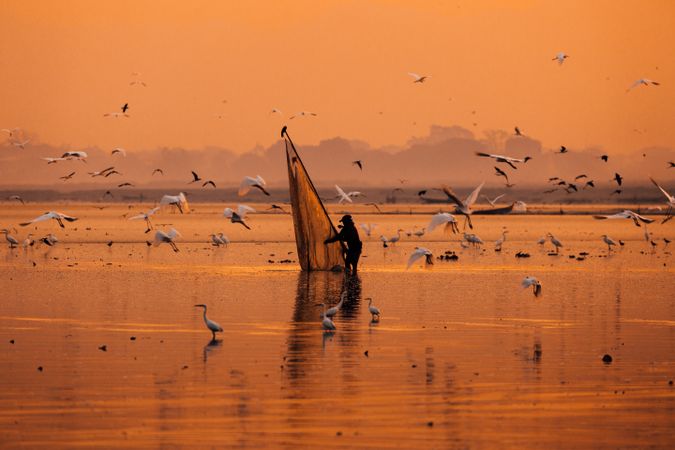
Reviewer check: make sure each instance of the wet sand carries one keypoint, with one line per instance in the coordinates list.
(463, 357)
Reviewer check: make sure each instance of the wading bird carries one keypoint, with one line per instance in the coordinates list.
(11, 240)
(609, 241)
(49, 240)
(500, 241)
(239, 215)
(166, 238)
(331, 312)
(29, 241)
(532, 281)
(51, 215)
(558, 245)
(441, 219)
(373, 310)
(249, 182)
(210, 324)
(326, 322)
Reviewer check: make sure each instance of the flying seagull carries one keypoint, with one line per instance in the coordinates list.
(119, 150)
(626, 214)
(209, 182)
(494, 200)
(419, 78)
(560, 57)
(532, 281)
(16, 197)
(195, 177)
(358, 163)
(642, 82)
(159, 171)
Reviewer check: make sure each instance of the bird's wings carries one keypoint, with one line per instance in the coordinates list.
(670, 198)
(247, 182)
(173, 233)
(42, 218)
(451, 195)
(440, 219)
(228, 213)
(242, 210)
(471, 199)
(417, 254)
(528, 281)
(343, 197)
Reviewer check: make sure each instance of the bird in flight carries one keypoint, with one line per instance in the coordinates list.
(562, 150)
(119, 150)
(121, 185)
(209, 182)
(67, 177)
(273, 206)
(166, 238)
(79, 155)
(359, 163)
(560, 57)
(532, 281)
(249, 182)
(493, 202)
(179, 201)
(51, 215)
(504, 159)
(604, 158)
(626, 214)
(500, 173)
(643, 82)
(517, 131)
(671, 164)
(463, 207)
(101, 173)
(195, 177)
(419, 253)
(303, 113)
(125, 108)
(419, 78)
(618, 178)
(159, 171)
(21, 144)
(239, 215)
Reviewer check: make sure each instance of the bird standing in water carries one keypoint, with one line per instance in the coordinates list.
(374, 312)
(210, 324)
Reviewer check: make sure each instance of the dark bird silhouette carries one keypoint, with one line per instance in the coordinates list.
(580, 176)
(561, 183)
(112, 172)
(500, 173)
(604, 158)
(550, 191)
(160, 171)
(125, 107)
(209, 182)
(562, 150)
(618, 178)
(358, 163)
(553, 179)
(67, 177)
(125, 184)
(589, 183)
(422, 192)
(571, 187)
(107, 193)
(671, 164)
(518, 132)
(277, 207)
(195, 177)
(618, 191)
(375, 205)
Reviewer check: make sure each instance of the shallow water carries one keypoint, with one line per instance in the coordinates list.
(463, 357)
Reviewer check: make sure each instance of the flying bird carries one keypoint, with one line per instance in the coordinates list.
(49, 216)
(419, 78)
(500, 173)
(159, 171)
(21, 144)
(195, 177)
(239, 215)
(179, 201)
(463, 207)
(10, 131)
(146, 216)
(249, 182)
(560, 57)
(53, 160)
(276, 111)
(578, 177)
(374, 205)
(101, 173)
(532, 281)
(166, 238)
(125, 184)
(368, 228)
(562, 150)
(504, 159)
(17, 198)
(419, 253)
(493, 202)
(618, 178)
(343, 197)
(125, 107)
(210, 324)
(302, 114)
(358, 163)
(670, 199)
(589, 183)
(273, 206)
(626, 214)
(517, 131)
(120, 151)
(642, 82)
(209, 182)
(604, 158)
(446, 219)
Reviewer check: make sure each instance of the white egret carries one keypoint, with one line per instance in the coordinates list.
(331, 312)
(166, 238)
(418, 78)
(210, 324)
(542, 241)
(493, 202)
(327, 323)
(101, 173)
(239, 215)
(223, 239)
(29, 241)
(419, 253)
(473, 239)
(374, 311)
(443, 218)
(532, 281)
(51, 215)
(368, 228)
(555, 242)
(145, 216)
(179, 201)
(11, 240)
(343, 197)
(560, 57)
(500, 241)
(249, 182)
(464, 207)
(626, 214)
(395, 239)
(609, 241)
(384, 241)
(504, 159)
(53, 160)
(219, 239)
(49, 240)
(21, 144)
(419, 233)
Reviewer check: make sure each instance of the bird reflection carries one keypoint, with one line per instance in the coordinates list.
(211, 346)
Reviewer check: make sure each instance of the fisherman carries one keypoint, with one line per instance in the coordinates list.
(350, 235)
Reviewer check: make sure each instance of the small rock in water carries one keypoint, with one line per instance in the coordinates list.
(365, 353)
(12, 341)
(430, 424)
(670, 383)
(607, 359)
(40, 368)
(132, 338)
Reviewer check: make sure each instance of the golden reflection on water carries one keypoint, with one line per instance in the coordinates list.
(463, 357)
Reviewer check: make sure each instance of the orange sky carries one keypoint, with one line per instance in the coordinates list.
(66, 63)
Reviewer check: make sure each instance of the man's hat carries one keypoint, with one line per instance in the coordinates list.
(346, 218)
